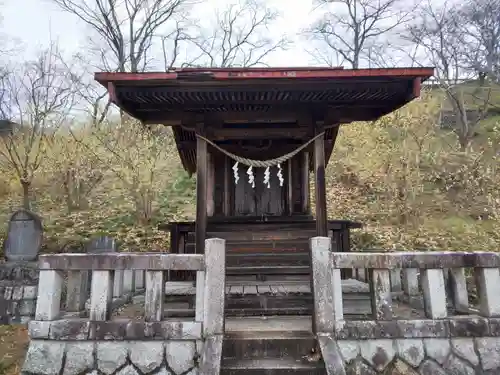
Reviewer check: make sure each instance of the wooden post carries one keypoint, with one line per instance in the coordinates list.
(320, 192)
(319, 169)
(201, 194)
(306, 199)
(289, 186)
(227, 186)
(210, 185)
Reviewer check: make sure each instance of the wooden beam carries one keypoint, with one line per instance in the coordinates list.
(281, 114)
(201, 193)
(306, 198)
(266, 133)
(234, 145)
(320, 191)
(341, 114)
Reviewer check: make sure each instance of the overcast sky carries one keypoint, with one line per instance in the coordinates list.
(33, 23)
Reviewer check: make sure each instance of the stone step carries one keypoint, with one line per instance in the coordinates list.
(281, 311)
(271, 344)
(271, 366)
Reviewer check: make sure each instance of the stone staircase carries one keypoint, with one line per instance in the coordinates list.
(268, 348)
(268, 314)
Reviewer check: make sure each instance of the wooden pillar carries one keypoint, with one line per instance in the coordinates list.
(306, 200)
(227, 186)
(201, 195)
(289, 186)
(320, 191)
(210, 185)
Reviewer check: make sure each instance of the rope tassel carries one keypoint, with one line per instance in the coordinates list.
(251, 177)
(267, 176)
(235, 169)
(280, 175)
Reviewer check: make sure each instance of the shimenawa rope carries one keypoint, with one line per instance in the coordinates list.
(261, 163)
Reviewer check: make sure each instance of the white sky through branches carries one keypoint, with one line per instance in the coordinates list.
(31, 24)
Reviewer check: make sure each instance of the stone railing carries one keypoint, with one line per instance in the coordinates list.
(397, 338)
(100, 343)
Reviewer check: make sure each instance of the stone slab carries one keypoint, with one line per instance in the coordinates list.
(120, 329)
(122, 261)
(423, 260)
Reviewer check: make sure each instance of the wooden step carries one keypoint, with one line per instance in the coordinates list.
(288, 305)
(269, 259)
(255, 246)
(258, 234)
(268, 270)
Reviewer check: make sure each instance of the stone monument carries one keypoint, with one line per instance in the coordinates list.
(19, 273)
(24, 236)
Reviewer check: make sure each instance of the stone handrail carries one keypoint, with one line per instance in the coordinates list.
(111, 273)
(382, 343)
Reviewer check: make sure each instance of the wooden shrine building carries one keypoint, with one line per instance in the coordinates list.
(283, 122)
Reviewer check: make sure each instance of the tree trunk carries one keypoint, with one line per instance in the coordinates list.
(26, 195)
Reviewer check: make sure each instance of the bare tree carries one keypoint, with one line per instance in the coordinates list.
(38, 97)
(239, 36)
(128, 27)
(479, 21)
(92, 96)
(440, 33)
(353, 28)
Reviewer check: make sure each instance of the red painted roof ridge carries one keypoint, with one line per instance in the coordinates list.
(263, 73)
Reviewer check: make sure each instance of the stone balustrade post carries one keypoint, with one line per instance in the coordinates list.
(488, 285)
(155, 293)
(118, 284)
(410, 282)
(434, 293)
(381, 298)
(101, 295)
(328, 306)
(77, 291)
(460, 297)
(214, 280)
(48, 305)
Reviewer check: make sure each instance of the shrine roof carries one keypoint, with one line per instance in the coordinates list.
(233, 95)
(167, 97)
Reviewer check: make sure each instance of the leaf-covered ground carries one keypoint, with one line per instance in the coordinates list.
(13, 345)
